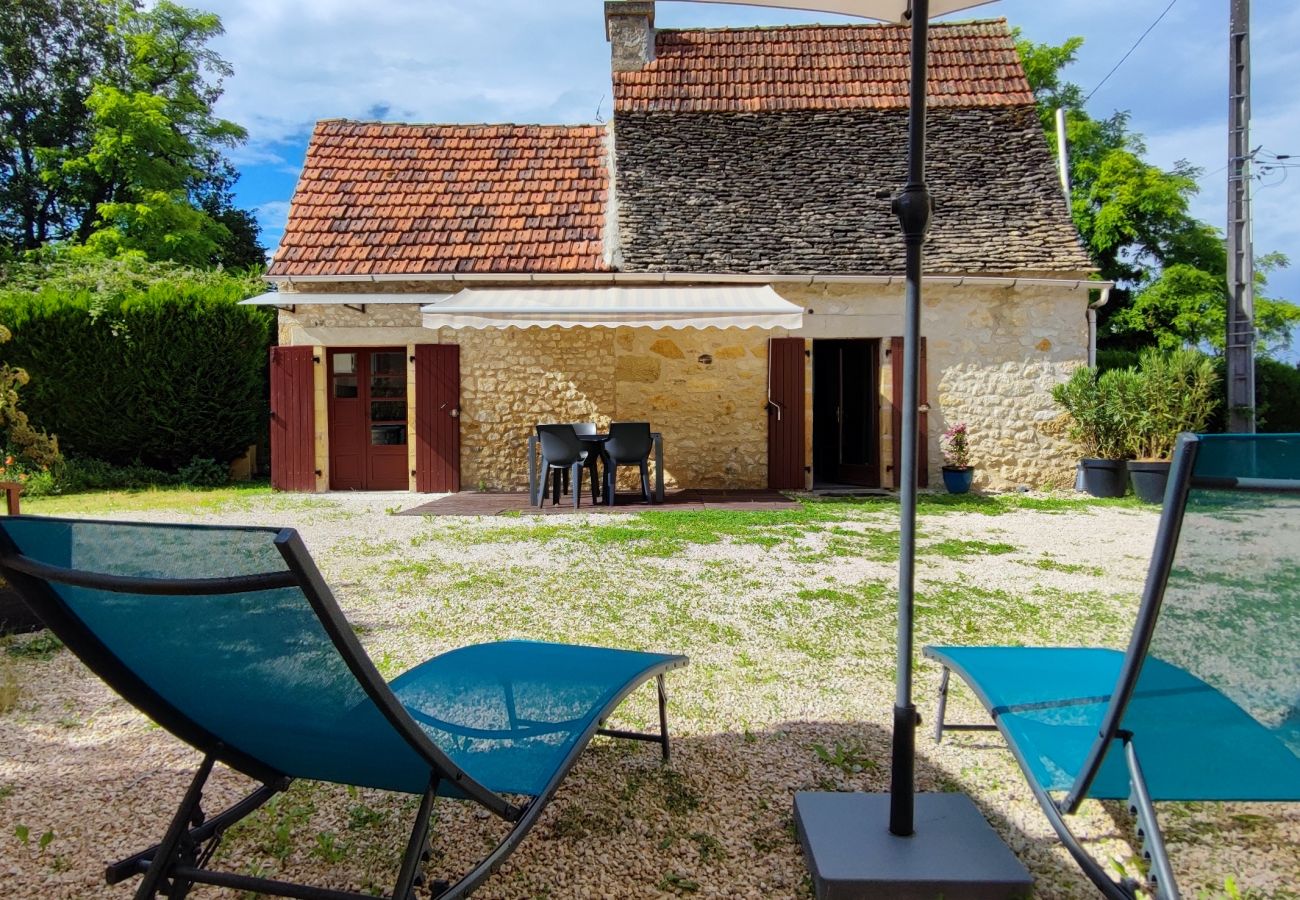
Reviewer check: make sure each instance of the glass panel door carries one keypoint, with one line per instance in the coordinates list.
(367, 427)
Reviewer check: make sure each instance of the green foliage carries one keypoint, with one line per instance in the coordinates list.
(1138, 411)
(199, 472)
(110, 134)
(1170, 268)
(1173, 392)
(77, 476)
(1117, 359)
(1090, 400)
(26, 448)
(1277, 396)
(159, 373)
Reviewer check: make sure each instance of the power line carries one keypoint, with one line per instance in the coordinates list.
(1130, 51)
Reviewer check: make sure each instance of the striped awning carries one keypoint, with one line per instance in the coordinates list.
(612, 306)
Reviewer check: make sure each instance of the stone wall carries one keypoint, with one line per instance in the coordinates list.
(994, 353)
(704, 389)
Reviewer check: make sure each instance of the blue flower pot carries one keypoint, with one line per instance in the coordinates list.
(958, 481)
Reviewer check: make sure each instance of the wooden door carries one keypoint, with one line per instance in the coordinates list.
(437, 418)
(367, 425)
(923, 419)
(293, 420)
(785, 414)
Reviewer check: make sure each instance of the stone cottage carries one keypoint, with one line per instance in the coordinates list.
(720, 260)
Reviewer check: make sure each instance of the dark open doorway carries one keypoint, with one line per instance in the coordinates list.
(846, 413)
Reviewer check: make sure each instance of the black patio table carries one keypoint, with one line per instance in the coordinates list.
(597, 440)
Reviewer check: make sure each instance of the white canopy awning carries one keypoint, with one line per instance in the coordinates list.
(612, 306)
(293, 298)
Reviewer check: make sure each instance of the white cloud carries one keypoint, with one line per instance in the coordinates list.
(297, 61)
(272, 215)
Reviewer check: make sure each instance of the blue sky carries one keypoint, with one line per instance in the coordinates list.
(522, 61)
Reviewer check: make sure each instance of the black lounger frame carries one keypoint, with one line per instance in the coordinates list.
(179, 861)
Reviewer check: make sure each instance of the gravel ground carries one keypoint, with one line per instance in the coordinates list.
(789, 626)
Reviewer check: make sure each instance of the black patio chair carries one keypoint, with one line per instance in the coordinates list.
(629, 444)
(229, 638)
(1205, 703)
(564, 455)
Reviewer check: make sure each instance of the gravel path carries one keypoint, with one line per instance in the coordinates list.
(790, 631)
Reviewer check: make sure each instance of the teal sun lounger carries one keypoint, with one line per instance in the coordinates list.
(229, 639)
(1205, 703)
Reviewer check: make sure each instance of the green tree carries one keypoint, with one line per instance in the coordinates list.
(130, 155)
(51, 51)
(1170, 268)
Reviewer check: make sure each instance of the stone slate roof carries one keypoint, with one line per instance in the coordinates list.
(748, 150)
(799, 192)
(822, 67)
(763, 150)
(405, 199)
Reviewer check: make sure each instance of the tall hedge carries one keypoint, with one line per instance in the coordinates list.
(1277, 395)
(160, 373)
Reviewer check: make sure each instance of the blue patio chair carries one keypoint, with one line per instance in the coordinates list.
(229, 639)
(1205, 703)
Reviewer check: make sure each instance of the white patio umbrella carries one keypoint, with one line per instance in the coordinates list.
(953, 853)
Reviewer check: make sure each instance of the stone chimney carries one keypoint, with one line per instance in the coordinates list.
(630, 30)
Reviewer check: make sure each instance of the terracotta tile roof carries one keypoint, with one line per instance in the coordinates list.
(403, 199)
(822, 67)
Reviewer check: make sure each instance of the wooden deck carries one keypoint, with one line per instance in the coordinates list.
(475, 503)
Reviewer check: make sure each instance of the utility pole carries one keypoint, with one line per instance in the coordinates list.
(1240, 345)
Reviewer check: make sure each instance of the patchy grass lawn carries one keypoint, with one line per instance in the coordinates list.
(788, 618)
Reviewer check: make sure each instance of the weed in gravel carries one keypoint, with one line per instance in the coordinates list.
(770, 839)
(11, 689)
(361, 816)
(672, 881)
(271, 829)
(954, 548)
(581, 821)
(674, 793)
(710, 847)
(43, 647)
(329, 848)
(851, 758)
(1048, 564)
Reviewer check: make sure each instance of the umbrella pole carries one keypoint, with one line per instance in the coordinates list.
(912, 207)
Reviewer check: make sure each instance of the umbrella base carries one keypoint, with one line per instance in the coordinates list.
(954, 853)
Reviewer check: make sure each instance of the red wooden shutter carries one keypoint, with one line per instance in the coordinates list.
(437, 418)
(293, 419)
(923, 422)
(785, 414)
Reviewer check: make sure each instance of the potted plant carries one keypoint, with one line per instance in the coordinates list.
(958, 473)
(1091, 401)
(1177, 392)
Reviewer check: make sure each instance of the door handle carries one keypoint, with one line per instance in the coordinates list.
(455, 413)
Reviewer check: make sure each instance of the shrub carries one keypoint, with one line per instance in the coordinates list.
(1277, 396)
(204, 473)
(1173, 392)
(1089, 401)
(26, 448)
(159, 368)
